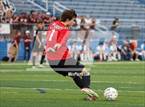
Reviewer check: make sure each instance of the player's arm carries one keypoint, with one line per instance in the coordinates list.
(60, 40)
(57, 46)
(54, 49)
(50, 50)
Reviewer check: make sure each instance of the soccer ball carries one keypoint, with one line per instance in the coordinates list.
(110, 93)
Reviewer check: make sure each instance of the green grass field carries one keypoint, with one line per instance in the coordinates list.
(19, 84)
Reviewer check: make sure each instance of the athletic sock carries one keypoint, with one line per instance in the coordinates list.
(86, 81)
(78, 81)
(42, 59)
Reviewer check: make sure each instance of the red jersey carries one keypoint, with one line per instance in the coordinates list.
(57, 33)
(133, 45)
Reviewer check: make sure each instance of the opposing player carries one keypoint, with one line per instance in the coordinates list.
(59, 57)
(38, 44)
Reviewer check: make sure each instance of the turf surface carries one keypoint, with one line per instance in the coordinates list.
(22, 86)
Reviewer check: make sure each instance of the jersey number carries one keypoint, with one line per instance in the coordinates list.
(51, 35)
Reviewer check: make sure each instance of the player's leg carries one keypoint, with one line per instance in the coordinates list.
(34, 59)
(80, 76)
(82, 80)
(42, 57)
(86, 83)
(77, 72)
(77, 80)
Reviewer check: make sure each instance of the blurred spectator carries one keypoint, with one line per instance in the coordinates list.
(125, 51)
(101, 51)
(6, 10)
(143, 50)
(115, 23)
(29, 18)
(1, 10)
(133, 47)
(75, 49)
(27, 44)
(16, 41)
(12, 52)
(114, 54)
(17, 38)
(86, 54)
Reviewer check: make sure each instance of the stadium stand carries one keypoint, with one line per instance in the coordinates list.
(26, 6)
(105, 10)
(142, 2)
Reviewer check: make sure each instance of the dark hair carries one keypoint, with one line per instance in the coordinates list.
(68, 15)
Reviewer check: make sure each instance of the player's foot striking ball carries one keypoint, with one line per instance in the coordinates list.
(59, 56)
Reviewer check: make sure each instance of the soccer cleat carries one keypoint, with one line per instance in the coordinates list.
(90, 98)
(86, 91)
(90, 92)
(94, 93)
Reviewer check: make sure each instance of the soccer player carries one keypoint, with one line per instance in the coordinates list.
(37, 45)
(59, 57)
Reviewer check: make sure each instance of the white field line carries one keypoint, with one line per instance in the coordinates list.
(110, 82)
(12, 64)
(27, 69)
(67, 89)
(49, 69)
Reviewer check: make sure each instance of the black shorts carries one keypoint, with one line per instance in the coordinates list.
(65, 67)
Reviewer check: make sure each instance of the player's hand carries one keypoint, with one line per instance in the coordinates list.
(57, 46)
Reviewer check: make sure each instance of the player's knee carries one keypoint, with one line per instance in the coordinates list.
(85, 72)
